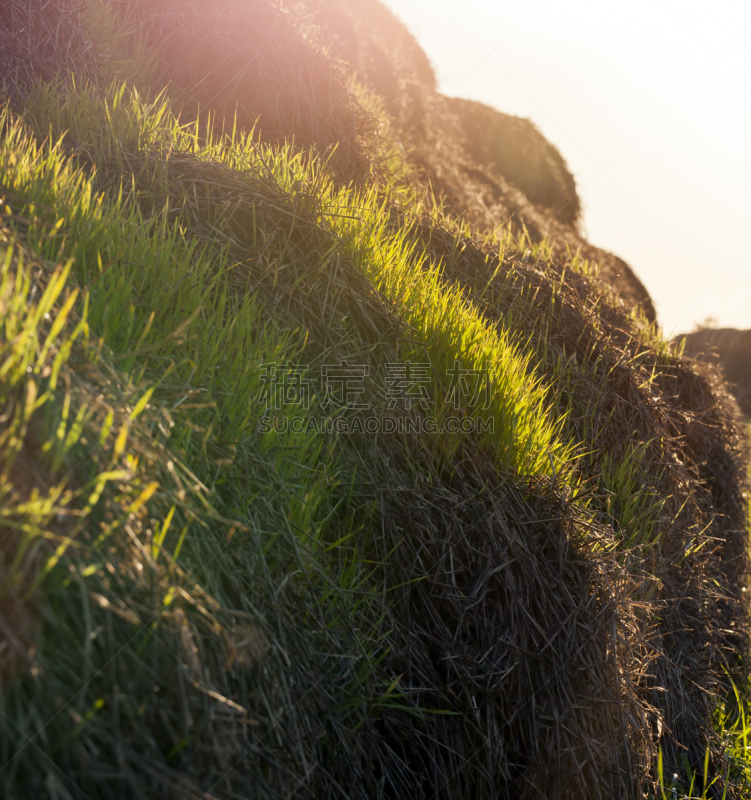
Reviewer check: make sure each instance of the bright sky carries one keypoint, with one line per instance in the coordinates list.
(650, 104)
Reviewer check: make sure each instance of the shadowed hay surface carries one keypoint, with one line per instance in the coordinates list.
(622, 394)
(504, 600)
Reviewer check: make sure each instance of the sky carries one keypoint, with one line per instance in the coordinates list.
(649, 102)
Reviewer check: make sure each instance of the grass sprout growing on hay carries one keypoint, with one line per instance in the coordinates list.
(733, 724)
(355, 227)
(225, 605)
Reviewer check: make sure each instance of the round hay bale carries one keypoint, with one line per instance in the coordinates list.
(248, 63)
(41, 39)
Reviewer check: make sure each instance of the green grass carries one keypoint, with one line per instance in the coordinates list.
(168, 299)
(168, 303)
(734, 726)
(108, 238)
(174, 262)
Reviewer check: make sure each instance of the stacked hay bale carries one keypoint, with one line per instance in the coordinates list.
(490, 168)
(730, 348)
(389, 616)
(40, 39)
(513, 147)
(246, 63)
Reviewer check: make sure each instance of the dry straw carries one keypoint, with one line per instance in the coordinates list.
(247, 62)
(40, 39)
(487, 167)
(620, 391)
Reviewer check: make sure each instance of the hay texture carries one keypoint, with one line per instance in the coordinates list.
(694, 448)
(729, 348)
(489, 168)
(40, 39)
(247, 63)
(390, 616)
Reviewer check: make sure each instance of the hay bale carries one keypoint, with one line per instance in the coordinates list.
(515, 639)
(695, 458)
(730, 348)
(513, 147)
(379, 48)
(457, 525)
(41, 39)
(507, 606)
(489, 168)
(247, 63)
